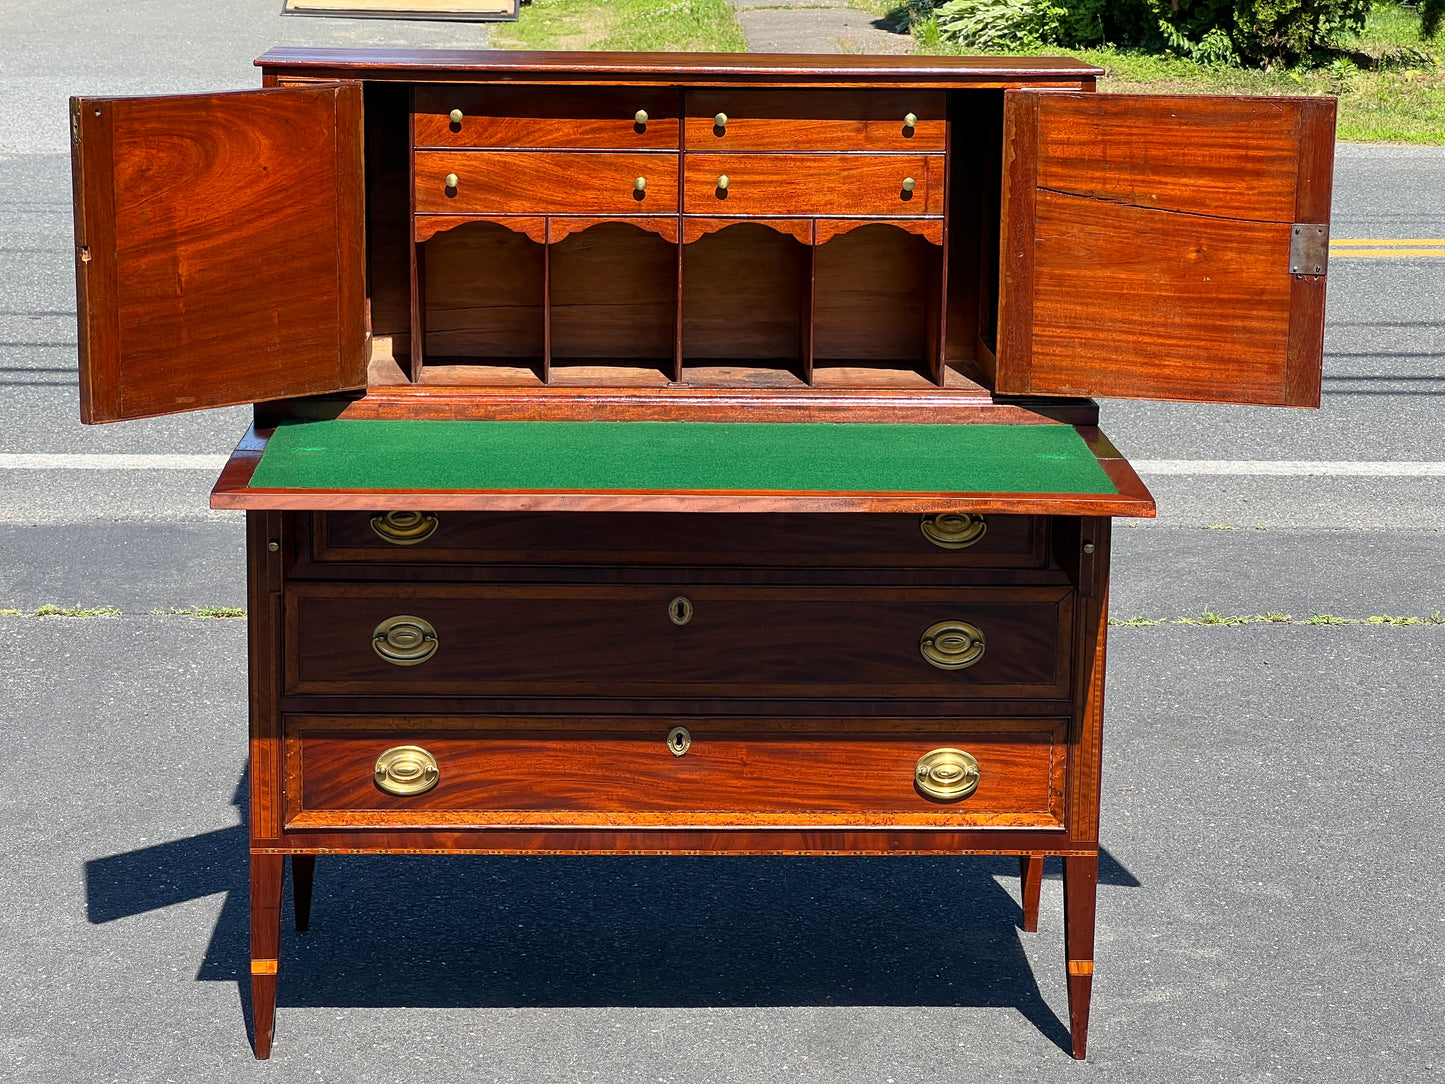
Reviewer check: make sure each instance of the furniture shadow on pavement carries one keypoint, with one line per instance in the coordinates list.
(638, 931)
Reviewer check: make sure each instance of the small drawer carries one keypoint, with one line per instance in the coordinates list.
(558, 118)
(651, 539)
(452, 771)
(816, 120)
(872, 185)
(668, 639)
(545, 183)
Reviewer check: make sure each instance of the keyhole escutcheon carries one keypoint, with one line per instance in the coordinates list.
(680, 610)
(678, 740)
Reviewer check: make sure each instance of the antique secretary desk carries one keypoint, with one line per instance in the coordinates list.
(686, 453)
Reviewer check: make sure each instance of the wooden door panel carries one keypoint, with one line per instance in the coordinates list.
(219, 248)
(1147, 247)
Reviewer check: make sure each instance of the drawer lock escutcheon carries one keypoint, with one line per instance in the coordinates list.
(946, 775)
(953, 530)
(404, 528)
(952, 645)
(679, 741)
(405, 640)
(405, 770)
(679, 610)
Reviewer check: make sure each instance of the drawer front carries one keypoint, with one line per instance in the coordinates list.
(545, 182)
(559, 772)
(777, 541)
(816, 120)
(639, 641)
(601, 118)
(871, 185)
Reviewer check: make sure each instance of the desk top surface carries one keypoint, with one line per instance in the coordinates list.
(681, 466)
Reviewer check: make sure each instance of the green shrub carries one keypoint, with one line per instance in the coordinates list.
(1207, 31)
(1432, 14)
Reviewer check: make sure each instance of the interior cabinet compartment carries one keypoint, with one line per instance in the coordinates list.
(613, 304)
(746, 307)
(877, 293)
(482, 301)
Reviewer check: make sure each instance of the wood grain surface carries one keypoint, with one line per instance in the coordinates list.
(620, 641)
(545, 183)
(778, 541)
(180, 198)
(559, 118)
(1146, 247)
(794, 119)
(533, 772)
(823, 185)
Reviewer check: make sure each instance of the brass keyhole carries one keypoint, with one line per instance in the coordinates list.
(678, 740)
(680, 610)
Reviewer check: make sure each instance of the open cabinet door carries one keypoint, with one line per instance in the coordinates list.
(220, 251)
(1160, 247)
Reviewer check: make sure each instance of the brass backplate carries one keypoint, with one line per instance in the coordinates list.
(405, 770)
(953, 530)
(952, 645)
(405, 640)
(405, 528)
(946, 775)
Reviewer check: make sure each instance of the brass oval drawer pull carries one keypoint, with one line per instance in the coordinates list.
(953, 530)
(405, 640)
(404, 528)
(946, 775)
(952, 645)
(405, 770)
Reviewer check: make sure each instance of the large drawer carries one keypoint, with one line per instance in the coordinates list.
(827, 185)
(718, 772)
(816, 120)
(545, 183)
(599, 118)
(589, 538)
(638, 641)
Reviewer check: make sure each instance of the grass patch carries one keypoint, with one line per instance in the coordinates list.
(703, 26)
(201, 611)
(1391, 85)
(1326, 619)
(1137, 622)
(1274, 617)
(68, 611)
(11, 613)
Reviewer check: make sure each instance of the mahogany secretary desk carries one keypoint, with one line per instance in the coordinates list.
(686, 453)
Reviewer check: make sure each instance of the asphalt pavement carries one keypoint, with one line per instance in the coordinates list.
(1273, 818)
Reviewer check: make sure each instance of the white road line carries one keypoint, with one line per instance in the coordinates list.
(1332, 468)
(1337, 468)
(109, 461)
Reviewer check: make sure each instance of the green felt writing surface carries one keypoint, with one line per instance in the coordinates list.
(679, 457)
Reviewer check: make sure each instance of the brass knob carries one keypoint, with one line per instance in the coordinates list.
(404, 528)
(405, 640)
(723, 182)
(456, 116)
(952, 645)
(451, 180)
(640, 117)
(908, 184)
(405, 770)
(953, 531)
(721, 120)
(640, 184)
(678, 740)
(946, 775)
(680, 610)
(910, 120)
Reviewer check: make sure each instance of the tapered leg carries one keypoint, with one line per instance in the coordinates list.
(303, 873)
(1081, 884)
(266, 873)
(1031, 881)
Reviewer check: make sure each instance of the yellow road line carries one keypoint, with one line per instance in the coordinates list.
(1387, 248)
(1386, 242)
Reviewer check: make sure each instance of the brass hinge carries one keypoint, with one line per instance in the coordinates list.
(1309, 248)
